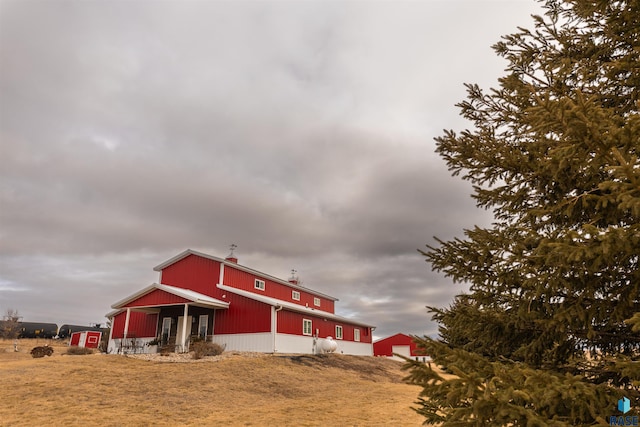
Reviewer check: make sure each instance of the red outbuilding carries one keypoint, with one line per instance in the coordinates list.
(397, 344)
(88, 339)
(219, 300)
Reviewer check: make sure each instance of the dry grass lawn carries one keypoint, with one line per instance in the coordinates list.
(242, 390)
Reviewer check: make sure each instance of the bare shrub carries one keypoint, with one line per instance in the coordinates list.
(202, 349)
(75, 350)
(10, 324)
(41, 351)
(164, 350)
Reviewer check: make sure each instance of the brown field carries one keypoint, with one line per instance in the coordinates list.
(232, 389)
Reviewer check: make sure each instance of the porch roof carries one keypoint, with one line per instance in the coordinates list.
(193, 298)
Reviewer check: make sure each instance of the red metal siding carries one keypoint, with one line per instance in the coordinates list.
(243, 316)
(92, 339)
(246, 281)
(193, 272)
(290, 322)
(157, 297)
(117, 325)
(75, 338)
(141, 325)
(384, 347)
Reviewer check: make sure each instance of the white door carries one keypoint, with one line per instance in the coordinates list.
(179, 338)
(403, 350)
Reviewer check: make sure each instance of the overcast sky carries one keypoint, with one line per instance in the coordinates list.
(301, 131)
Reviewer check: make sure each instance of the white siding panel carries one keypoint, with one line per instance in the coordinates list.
(288, 343)
(260, 342)
(355, 348)
(141, 346)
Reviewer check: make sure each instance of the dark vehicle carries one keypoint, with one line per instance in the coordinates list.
(66, 330)
(37, 330)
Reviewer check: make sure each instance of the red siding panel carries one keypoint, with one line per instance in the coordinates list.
(290, 322)
(92, 339)
(246, 281)
(117, 325)
(195, 273)
(141, 325)
(75, 338)
(157, 297)
(244, 315)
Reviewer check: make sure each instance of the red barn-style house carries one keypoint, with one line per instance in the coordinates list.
(219, 300)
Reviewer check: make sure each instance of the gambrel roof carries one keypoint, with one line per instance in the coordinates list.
(257, 273)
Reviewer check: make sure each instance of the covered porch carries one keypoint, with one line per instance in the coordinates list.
(162, 315)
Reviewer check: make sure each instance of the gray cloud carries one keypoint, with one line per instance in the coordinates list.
(301, 131)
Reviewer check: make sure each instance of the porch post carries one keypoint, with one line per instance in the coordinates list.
(126, 323)
(184, 328)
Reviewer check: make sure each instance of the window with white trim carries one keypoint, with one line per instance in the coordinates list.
(295, 295)
(356, 334)
(316, 302)
(259, 284)
(307, 327)
(203, 325)
(338, 332)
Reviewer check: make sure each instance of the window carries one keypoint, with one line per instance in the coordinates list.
(356, 334)
(306, 327)
(166, 329)
(259, 284)
(338, 332)
(203, 323)
(295, 295)
(316, 302)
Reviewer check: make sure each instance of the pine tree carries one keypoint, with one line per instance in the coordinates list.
(549, 332)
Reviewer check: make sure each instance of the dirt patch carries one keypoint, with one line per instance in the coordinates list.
(188, 357)
(372, 368)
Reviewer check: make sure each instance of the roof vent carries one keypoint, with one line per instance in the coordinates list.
(295, 280)
(232, 257)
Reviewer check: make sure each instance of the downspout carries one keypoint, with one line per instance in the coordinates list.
(220, 282)
(275, 325)
(221, 278)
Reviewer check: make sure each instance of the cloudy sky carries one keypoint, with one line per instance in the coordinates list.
(301, 131)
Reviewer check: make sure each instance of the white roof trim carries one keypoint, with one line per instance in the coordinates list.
(111, 314)
(182, 255)
(193, 296)
(132, 297)
(260, 274)
(291, 306)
